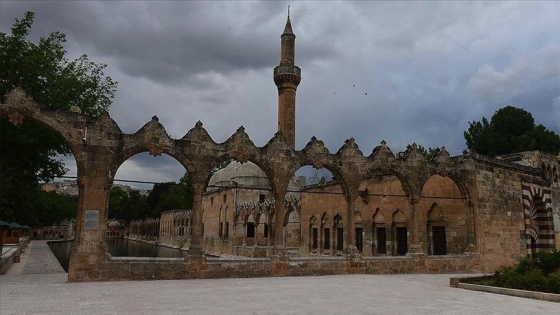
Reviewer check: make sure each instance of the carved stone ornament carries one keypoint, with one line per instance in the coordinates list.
(155, 150)
(15, 118)
(241, 157)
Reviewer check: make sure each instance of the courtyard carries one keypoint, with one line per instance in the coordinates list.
(341, 294)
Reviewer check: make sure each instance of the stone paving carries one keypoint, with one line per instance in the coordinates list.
(49, 293)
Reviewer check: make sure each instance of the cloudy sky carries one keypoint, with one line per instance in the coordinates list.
(401, 72)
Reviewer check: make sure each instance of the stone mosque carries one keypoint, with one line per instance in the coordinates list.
(381, 213)
(237, 222)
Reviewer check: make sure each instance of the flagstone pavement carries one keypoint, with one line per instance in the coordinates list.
(36, 287)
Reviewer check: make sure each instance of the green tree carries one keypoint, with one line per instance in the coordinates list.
(137, 205)
(428, 154)
(29, 151)
(510, 130)
(119, 204)
(169, 196)
(54, 208)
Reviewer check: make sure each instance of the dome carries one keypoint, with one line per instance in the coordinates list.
(246, 174)
(114, 223)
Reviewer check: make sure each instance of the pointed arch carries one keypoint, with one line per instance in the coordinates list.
(539, 221)
(379, 234)
(399, 233)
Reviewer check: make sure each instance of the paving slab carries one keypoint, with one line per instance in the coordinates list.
(341, 294)
(50, 293)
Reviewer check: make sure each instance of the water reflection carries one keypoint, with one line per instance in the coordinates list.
(61, 250)
(117, 247)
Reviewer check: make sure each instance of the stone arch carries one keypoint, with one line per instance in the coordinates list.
(313, 234)
(338, 232)
(250, 230)
(539, 226)
(436, 230)
(441, 193)
(325, 234)
(359, 231)
(336, 172)
(399, 233)
(555, 175)
(379, 234)
(141, 148)
(55, 120)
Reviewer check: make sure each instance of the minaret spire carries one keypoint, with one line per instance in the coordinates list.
(287, 77)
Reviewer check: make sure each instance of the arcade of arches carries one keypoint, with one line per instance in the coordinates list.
(466, 213)
(385, 213)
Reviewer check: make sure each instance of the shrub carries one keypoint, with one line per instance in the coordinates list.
(553, 282)
(548, 262)
(540, 274)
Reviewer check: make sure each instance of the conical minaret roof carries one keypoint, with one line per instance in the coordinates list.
(288, 28)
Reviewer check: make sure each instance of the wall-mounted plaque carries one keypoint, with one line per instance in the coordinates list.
(91, 220)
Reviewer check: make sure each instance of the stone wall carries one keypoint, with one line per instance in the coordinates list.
(383, 198)
(123, 268)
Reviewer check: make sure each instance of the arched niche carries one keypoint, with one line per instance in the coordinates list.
(313, 235)
(379, 234)
(436, 229)
(399, 233)
(338, 233)
(444, 217)
(359, 231)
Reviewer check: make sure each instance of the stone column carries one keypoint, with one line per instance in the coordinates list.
(196, 238)
(88, 250)
(279, 213)
(351, 227)
(414, 247)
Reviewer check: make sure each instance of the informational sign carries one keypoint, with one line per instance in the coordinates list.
(91, 220)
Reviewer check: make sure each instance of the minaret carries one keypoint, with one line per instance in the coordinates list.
(287, 77)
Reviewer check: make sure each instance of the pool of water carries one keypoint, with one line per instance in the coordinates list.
(117, 247)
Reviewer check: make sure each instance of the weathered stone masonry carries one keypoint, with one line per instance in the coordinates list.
(101, 149)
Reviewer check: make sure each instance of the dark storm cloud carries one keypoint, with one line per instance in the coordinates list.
(397, 71)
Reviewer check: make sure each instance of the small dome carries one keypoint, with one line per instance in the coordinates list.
(114, 223)
(241, 173)
(247, 175)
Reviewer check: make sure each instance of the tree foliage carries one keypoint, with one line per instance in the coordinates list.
(29, 151)
(130, 205)
(510, 130)
(429, 153)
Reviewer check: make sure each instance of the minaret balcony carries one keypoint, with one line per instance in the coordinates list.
(287, 69)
